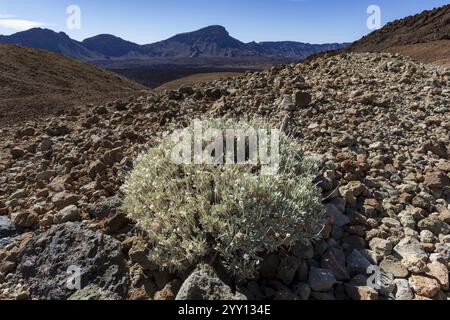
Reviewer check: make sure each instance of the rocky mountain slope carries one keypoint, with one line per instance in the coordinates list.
(35, 83)
(409, 35)
(377, 123)
(212, 41)
(49, 40)
(215, 41)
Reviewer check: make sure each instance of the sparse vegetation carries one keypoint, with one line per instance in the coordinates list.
(229, 212)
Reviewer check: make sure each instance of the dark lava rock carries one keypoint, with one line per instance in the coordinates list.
(48, 258)
(104, 208)
(58, 130)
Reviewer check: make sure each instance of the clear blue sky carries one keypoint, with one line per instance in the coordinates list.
(146, 21)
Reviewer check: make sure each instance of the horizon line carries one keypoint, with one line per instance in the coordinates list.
(144, 44)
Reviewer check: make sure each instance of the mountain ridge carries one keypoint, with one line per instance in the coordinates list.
(211, 41)
(109, 45)
(427, 26)
(49, 40)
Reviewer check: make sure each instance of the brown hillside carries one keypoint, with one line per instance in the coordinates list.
(35, 83)
(408, 36)
(437, 52)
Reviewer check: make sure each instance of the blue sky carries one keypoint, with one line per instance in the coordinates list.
(146, 21)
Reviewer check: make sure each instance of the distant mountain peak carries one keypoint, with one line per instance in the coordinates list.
(210, 32)
(38, 30)
(46, 39)
(214, 29)
(110, 46)
(41, 33)
(104, 36)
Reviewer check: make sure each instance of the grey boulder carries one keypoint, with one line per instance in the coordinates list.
(67, 258)
(204, 284)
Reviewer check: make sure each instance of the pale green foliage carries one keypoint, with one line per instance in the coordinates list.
(227, 212)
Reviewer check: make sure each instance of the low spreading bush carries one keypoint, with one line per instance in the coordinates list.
(230, 213)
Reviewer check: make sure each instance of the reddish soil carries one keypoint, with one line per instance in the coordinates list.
(436, 52)
(35, 83)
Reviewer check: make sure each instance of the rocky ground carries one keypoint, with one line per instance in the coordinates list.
(378, 123)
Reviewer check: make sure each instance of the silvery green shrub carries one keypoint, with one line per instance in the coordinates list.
(232, 212)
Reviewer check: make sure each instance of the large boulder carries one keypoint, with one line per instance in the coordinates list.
(68, 214)
(321, 280)
(104, 208)
(204, 284)
(436, 180)
(24, 219)
(49, 259)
